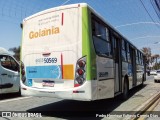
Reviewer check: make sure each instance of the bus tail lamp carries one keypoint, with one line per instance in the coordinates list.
(81, 63)
(23, 72)
(80, 71)
(24, 88)
(80, 75)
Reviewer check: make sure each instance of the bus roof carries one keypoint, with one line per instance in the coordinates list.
(80, 5)
(55, 9)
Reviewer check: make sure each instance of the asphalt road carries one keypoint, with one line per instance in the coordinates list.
(52, 108)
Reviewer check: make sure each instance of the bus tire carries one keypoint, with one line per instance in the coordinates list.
(19, 92)
(125, 90)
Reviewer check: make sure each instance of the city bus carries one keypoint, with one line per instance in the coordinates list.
(71, 52)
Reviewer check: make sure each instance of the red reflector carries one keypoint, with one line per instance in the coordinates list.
(62, 64)
(81, 63)
(22, 66)
(76, 85)
(75, 91)
(24, 88)
(80, 71)
(62, 18)
(23, 72)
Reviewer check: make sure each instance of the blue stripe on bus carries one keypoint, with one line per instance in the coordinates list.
(53, 71)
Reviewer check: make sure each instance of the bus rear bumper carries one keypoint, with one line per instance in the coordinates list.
(82, 93)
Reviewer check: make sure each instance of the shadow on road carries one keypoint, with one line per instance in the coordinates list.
(69, 109)
(8, 96)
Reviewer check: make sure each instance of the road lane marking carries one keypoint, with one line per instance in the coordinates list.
(14, 99)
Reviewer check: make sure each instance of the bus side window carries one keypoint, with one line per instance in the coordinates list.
(101, 41)
(124, 51)
(137, 57)
(128, 53)
(115, 48)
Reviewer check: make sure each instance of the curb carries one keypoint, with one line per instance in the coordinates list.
(144, 107)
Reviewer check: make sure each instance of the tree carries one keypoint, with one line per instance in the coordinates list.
(147, 52)
(155, 58)
(16, 51)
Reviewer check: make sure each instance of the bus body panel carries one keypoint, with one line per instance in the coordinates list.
(139, 74)
(77, 93)
(51, 47)
(87, 44)
(127, 72)
(105, 77)
(64, 45)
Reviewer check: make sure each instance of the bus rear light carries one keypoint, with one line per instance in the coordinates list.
(80, 80)
(80, 74)
(80, 71)
(22, 66)
(24, 88)
(23, 78)
(81, 63)
(23, 72)
(76, 85)
(75, 91)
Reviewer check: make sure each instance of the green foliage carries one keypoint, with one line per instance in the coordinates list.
(16, 51)
(156, 66)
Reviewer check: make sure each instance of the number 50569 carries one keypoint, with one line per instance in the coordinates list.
(50, 60)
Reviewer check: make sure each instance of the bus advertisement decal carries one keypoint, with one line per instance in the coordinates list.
(53, 72)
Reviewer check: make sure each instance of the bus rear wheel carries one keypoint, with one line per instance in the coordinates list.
(19, 92)
(125, 90)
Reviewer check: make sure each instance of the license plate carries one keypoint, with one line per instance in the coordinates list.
(47, 83)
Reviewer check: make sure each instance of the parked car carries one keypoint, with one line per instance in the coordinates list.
(157, 76)
(153, 72)
(9, 73)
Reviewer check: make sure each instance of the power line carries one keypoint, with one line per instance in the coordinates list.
(65, 2)
(156, 7)
(146, 10)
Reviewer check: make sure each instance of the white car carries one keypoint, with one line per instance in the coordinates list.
(9, 73)
(157, 76)
(153, 72)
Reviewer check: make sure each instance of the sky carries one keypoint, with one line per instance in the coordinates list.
(129, 17)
